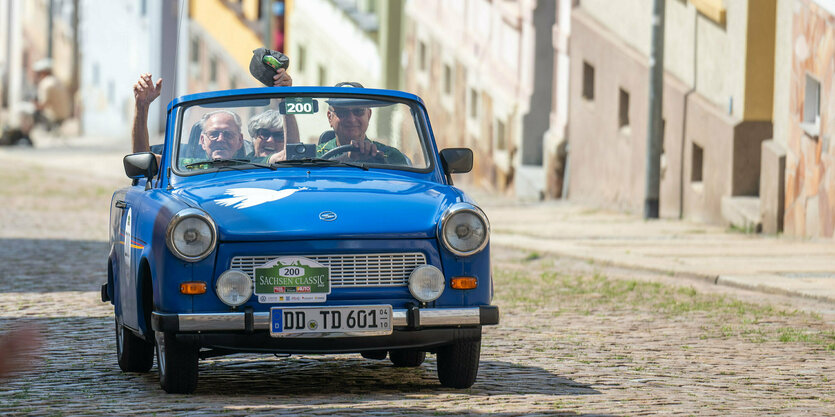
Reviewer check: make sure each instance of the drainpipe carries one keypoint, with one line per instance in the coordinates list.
(656, 95)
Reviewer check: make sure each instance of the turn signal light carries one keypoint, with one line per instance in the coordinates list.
(193, 288)
(464, 283)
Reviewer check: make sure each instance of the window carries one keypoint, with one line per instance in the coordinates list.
(811, 107)
(500, 135)
(422, 56)
(588, 81)
(697, 166)
(323, 75)
(212, 70)
(300, 58)
(195, 50)
(447, 79)
(473, 103)
(623, 109)
(233, 83)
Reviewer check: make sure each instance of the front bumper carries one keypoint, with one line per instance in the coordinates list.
(250, 321)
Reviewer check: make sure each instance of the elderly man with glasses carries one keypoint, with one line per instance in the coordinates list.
(349, 123)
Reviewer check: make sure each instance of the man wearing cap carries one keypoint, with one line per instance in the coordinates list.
(349, 124)
(53, 101)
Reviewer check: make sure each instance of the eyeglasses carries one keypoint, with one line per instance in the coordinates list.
(267, 133)
(357, 111)
(215, 134)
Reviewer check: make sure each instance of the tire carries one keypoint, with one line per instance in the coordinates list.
(407, 358)
(177, 363)
(458, 364)
(376, 355)
(133, 353)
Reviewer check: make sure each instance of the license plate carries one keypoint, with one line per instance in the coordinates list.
(330, 321)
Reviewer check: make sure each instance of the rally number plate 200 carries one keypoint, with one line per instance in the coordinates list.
(342, 321)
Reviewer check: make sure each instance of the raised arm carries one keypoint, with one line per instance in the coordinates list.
(144, 92)
(291, 128)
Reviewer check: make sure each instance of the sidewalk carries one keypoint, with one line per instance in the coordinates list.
(771, 264)
(93, 156)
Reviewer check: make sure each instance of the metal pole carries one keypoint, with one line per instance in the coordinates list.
(49, 30)
(267, 15)
(654, 126)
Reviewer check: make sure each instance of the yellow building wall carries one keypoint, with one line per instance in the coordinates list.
(250, 9)
(226, 28)
(759, 60)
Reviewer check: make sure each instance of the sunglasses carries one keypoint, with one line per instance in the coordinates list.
(341, 113)
(267, 133)
(214, 134)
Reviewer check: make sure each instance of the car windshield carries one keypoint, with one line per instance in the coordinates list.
(258, 133)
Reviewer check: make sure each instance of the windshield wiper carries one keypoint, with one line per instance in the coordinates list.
(230, 163)
(320, 161)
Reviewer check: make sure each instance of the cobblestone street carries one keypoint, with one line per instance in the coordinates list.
(575, 338)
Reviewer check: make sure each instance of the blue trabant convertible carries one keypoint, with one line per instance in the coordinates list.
(300, 220)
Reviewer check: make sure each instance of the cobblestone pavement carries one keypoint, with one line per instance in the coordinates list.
(574, 338)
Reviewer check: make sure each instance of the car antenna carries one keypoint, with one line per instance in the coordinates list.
(180, 10)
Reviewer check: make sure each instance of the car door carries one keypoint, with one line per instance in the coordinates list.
(128, 256)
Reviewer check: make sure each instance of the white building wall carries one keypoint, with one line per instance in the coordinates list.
(331, 40)
(493, 42)
(783, 72)
(116, 42)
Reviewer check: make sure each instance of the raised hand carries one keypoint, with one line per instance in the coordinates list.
(282, 78)
(145, 90)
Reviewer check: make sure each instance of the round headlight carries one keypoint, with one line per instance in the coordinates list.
(233, 288)
(464, 229)
(426, 283)
(191, 235)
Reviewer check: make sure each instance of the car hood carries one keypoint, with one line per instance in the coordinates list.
(321, 206)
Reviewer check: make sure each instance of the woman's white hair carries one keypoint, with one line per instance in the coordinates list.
(270, 119)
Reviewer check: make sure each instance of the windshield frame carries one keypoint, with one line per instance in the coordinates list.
(416, 111)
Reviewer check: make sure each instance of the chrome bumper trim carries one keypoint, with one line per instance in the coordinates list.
(427, 317)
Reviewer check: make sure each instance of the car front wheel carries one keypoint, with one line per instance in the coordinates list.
(133, 353)
(458, 363)
(177, 364)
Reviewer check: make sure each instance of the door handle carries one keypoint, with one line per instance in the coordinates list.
(121, 204)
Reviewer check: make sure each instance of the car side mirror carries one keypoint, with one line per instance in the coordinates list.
(141, 165)
(457, 160)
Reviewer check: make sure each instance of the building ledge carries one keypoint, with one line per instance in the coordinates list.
(812, 130)
(712, 9)
(743, 213)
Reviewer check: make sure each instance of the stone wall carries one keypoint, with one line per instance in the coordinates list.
(810, 159)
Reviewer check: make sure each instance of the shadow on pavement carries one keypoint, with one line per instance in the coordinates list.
(78, 368)
(310, 375)
(47, 265)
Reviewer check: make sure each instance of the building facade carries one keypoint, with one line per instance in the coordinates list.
(30, 31)
(118, 43)
(347, 40)
(222, 36)
(472, 62)
(810, 119)
(717, 105)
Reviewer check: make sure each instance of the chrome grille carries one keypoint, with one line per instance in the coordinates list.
(353, 270)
